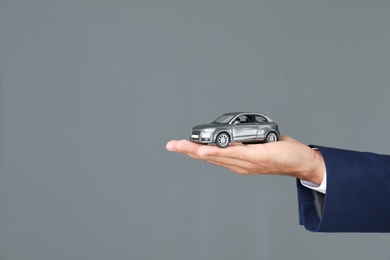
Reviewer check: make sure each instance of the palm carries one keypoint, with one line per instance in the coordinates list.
(286, 157)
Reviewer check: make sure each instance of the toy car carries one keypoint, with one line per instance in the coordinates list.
(237, 127)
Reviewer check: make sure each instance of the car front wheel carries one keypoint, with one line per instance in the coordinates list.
(223, 139)
(271, 137)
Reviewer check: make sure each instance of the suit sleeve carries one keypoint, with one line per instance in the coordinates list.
(357, 195)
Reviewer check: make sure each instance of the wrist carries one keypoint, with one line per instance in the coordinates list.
(315, 172)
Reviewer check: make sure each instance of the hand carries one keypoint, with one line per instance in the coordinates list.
(285, 157)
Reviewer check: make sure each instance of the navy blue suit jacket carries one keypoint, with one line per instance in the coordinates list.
(357, 195)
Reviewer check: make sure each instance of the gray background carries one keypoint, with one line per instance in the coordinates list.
(90, 92)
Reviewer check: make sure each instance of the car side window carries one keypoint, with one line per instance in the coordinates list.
(260, 119)
(246, 119)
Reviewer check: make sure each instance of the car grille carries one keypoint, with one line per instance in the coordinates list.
(195, 133)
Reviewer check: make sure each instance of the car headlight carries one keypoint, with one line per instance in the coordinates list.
(208, 130)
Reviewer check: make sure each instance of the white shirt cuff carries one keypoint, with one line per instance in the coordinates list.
(321, 188)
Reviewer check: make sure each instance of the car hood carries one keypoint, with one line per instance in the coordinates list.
(210, 125)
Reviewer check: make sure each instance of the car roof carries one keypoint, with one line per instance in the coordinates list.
(248, 113)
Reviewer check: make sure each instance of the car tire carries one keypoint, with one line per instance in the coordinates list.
(222, 140)
(271, 137)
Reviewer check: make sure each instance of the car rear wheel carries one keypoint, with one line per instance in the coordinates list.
(223, 140)
(271, 137)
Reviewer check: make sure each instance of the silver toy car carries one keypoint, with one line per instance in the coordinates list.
(237, 127)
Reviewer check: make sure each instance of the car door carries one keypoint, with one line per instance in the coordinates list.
(245, 129)
(263, 126)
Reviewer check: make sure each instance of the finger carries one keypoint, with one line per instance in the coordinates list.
(183, 146)
(196, 157)
(195, 149)
(171, 146)
(236, 168)
(222, 161)
(243, 153)
(231, 164)
(236, 144)
(192, 150)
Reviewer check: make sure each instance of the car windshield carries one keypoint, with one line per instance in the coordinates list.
(224, 119)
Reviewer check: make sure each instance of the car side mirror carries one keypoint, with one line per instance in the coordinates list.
(236, 122)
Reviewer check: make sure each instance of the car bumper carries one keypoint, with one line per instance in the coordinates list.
(200, 137)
